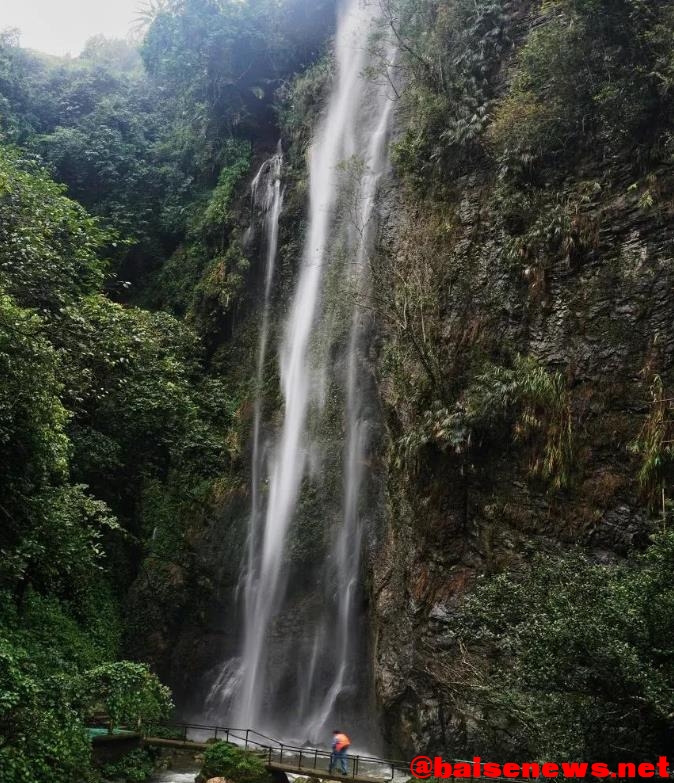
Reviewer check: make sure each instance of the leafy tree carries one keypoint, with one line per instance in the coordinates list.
(130, 694)
(21, 72)
(226, 59)
(51, 530)
(48, 694)
(579, 656)
(70, 358)
(44, 649)
(96, 122)
(120, 56)
(48, 244)
(594, 72)
(112, 146)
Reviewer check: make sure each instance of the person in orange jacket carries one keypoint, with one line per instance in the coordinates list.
(340, 744)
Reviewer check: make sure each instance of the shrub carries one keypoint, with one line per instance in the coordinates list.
(303, 101)
(217, 212)
(134, 767)
(451, 52)
(239, 766)
(533, 402)
(592, 72)
(130, 693)
(578, 656)
(654, 446)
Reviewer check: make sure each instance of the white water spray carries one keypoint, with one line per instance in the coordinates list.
(348, 543)
(267, 195)
(355, 127)
(267, 202)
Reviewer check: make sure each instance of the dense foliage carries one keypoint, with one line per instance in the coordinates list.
(53, 682)
(589, 73)
(134, 767)
(581, 657)
(96, 401)
(232, 763)
(116, 431)
(148, 143)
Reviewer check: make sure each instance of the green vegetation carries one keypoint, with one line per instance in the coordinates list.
(97, 402)
(580, 657)
(303, 99)
(52, 682)
(135, 767)
(536, 145)
(655, 445)
(594, 73)
(451, 55)
(533, 160)
(66, 373)
(118, 428)
(227, 761)
(590, 72)
(533, 404)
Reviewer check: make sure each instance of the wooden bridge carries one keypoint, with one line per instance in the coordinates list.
(280, 757)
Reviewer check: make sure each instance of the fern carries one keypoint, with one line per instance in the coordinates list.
(654, 445)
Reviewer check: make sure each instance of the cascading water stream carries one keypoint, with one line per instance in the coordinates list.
(267, 201)
(354, 129)
(267, 194)
(348, 543)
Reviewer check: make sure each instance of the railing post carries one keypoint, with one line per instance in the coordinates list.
(300, 761)
(247, 731)
(280, 758)
(184, 733)
(315, 758)
(227, 735)
(216, 733)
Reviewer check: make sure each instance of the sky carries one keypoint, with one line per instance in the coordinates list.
(63, 26)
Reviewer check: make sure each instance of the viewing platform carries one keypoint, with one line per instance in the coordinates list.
(279, 757)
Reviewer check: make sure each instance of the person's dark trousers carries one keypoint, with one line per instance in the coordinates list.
(338, 758)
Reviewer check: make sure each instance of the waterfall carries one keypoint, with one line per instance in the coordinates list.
(267, 204)
(315, 663)
(267, 196)
(348, 540)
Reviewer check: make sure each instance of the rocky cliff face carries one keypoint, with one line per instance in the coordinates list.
(588, 296)
(590, 299)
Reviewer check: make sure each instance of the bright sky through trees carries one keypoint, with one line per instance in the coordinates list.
(62, 26)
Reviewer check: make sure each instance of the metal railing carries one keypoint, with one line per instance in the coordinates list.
(292, 758)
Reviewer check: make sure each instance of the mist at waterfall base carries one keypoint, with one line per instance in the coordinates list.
(302, 666)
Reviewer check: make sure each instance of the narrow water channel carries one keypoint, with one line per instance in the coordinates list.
(174, 776)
